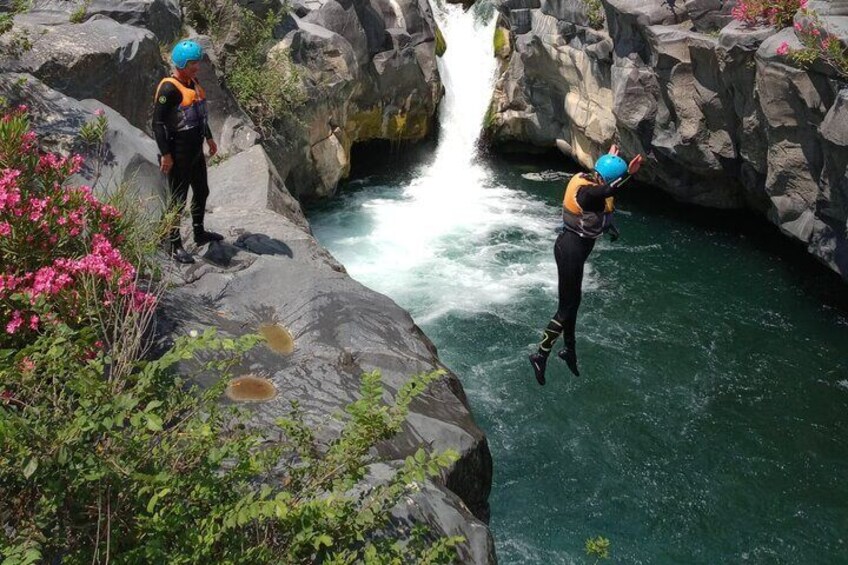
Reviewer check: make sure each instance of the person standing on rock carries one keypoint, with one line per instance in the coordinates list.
(181, 124)
(586, 214)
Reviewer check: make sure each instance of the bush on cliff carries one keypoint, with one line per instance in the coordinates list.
(107, 455)
(266, 86)
(777, 13)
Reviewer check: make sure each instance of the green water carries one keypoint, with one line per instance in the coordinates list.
(710, 423)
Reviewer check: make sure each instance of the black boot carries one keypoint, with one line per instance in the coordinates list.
(179, 254)
(569, 355)
(201, 236)
(539, 362)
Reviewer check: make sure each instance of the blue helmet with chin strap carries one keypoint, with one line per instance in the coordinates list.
(185, 51)
(610, 167)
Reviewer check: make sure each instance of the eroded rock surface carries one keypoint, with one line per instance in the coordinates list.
(723, 119)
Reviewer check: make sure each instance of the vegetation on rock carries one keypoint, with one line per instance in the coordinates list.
(818, 45)
(267, 87)
(107, 454)
(777, 13)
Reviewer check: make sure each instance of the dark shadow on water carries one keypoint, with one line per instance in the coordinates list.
(801, 267)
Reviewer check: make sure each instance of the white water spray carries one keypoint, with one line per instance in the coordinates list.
(452, 238)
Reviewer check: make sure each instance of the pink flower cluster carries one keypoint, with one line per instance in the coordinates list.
(778, 13)
(817, 45)
(61, 239)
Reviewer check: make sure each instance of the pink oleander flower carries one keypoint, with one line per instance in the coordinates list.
(15, 323)
(783, 49)
(100, 112)
(5, 229)
(27, 365)
(10, 194)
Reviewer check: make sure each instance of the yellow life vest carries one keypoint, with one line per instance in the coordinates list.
(585, 224)
(192, 112)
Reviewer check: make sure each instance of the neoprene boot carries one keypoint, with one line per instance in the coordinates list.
(201, 236)
(179, 254)
(539, 362)
(569, 355)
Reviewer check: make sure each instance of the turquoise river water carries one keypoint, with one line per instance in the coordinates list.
(710, 424)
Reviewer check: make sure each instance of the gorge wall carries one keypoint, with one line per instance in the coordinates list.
(723, 119)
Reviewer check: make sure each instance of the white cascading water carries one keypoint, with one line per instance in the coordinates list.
(446, 241)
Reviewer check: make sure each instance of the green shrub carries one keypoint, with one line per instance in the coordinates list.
(595, 13)
(598, 547)
(267, 87)
(78, 15)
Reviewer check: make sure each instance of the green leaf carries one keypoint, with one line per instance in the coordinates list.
(155, 498)
(152, 404)
(30, 468)
(322, 539)
(154, 422)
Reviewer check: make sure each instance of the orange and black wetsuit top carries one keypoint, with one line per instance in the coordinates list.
(180, 117)
(587, 206)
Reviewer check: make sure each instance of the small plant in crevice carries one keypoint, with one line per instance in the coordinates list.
(595, 13)
(79, 14)
(92, 134)
(818, 45)
(777, 13)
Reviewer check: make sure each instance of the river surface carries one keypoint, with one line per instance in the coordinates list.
(710, 423)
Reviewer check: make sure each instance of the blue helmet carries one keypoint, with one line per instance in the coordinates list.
(185, 51)
(610, 167)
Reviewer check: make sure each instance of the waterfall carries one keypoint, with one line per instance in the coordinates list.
(437, 243)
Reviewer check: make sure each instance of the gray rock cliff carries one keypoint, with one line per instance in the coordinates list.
(723, 119)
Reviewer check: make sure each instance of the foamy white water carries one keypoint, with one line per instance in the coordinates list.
(452, 238)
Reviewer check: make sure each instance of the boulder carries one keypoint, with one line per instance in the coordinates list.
(369, 71)
(127, 154)
(270, 269)
(266, 189)
(118, 64)
(162, 17)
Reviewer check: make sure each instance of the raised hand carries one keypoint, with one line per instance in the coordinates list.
(613, 150)
(635, 165)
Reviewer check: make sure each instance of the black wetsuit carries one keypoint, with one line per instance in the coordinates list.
(571, 251)
(186, 148)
